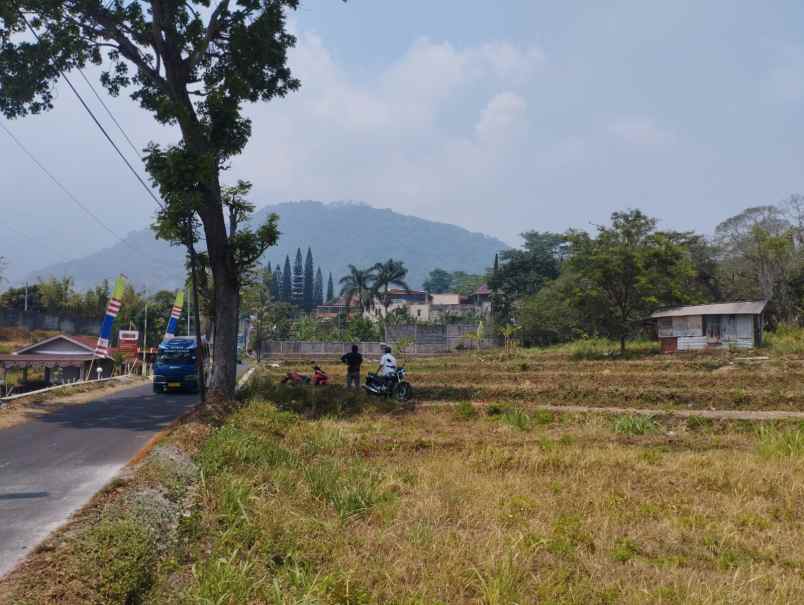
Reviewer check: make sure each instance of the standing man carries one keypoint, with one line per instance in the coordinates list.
(353, 362)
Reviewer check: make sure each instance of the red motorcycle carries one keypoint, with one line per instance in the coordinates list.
(319, 378)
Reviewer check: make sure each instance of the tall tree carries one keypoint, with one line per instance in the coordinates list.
(358, 286)
(318, 288)
(627, 271)
(438, 281)
(287, 282)
(390, 273)
(522, 273)
(276, 284)
(309, 282)
(297, 293)
(191, 63)
(330, 289)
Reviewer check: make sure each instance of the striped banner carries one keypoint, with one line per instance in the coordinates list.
(175, 314)
(112, 309)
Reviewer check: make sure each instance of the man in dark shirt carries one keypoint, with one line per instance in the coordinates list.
(353, 362)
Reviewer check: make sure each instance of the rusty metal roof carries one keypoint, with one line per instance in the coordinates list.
(746, 307)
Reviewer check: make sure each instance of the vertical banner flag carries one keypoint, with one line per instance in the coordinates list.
(112, 309)
(175, 314)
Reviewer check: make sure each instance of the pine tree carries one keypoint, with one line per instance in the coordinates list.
(309, 285)
(276, 284)
(330, 290)
(318, 288)
(297, 291)
(287, 282)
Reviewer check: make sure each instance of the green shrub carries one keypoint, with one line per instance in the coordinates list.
(517, 418)
(786, 339)
(120, 554)
(352, 492)
(226, 580)
(635, 425)
(776, 442)
(465, 411)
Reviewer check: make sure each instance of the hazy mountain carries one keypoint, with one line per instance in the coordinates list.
(339, 234)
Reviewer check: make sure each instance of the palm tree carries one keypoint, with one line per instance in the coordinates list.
(390, 273)
(358, 285)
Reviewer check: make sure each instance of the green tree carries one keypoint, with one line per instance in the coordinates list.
(193, 64)
(318, 288)
(330, 289)
(522, 273)
(56, 294)
(627, 271)
(358, 286)
(287, 282)
(309, 282)
(438, 281)
(297, 292)
(466, 283)
(276, 284)
(390, 273)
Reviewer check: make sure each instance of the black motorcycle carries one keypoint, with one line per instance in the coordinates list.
(393, 385)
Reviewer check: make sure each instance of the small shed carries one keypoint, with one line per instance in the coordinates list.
(72, 356)
(721, 325)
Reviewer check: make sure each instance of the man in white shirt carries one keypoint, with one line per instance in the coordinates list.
(387, 364)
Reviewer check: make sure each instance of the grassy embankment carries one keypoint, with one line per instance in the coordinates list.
(321, 496)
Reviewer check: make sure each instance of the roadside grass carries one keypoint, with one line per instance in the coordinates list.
(448, 505)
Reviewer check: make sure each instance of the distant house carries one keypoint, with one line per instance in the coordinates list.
(63, 359)
(722, 325)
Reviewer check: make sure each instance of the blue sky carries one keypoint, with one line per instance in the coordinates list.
(527, 115)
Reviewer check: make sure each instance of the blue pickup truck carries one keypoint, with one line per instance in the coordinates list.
(176, 365)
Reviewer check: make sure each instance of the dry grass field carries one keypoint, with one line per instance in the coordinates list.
(473, 495)
(318, 496)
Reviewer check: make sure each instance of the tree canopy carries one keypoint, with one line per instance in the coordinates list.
(192, 64)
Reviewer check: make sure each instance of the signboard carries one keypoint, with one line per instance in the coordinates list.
(127, 342)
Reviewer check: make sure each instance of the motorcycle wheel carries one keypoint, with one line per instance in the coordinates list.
(402, 391)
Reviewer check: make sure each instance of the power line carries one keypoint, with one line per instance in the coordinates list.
(99, 125)
(59, 184)
(109, 112)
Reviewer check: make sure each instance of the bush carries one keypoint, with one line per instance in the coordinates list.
(635, 425)
(517, 418)
(786, 339)
(465, 411)
(776, 442)
(121, 554)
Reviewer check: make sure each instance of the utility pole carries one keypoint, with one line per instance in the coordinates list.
(145, 342)
(26, 297)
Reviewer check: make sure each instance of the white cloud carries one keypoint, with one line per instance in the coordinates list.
(640, 130)
(502, 113)
(433, 131)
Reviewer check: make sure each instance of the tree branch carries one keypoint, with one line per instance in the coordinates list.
(216, 24)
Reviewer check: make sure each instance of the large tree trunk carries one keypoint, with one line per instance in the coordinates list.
(225, 287)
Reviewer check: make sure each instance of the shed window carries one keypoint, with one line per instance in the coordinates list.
(666, 326)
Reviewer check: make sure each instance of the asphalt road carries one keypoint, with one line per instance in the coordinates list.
(52, 465)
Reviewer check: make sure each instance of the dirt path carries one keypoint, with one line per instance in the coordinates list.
(716, 414)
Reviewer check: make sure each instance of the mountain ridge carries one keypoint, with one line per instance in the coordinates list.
(339, 233)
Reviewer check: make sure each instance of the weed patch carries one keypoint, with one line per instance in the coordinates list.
(635, 425)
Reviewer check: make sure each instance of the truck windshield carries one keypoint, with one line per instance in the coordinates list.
(177, 357)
